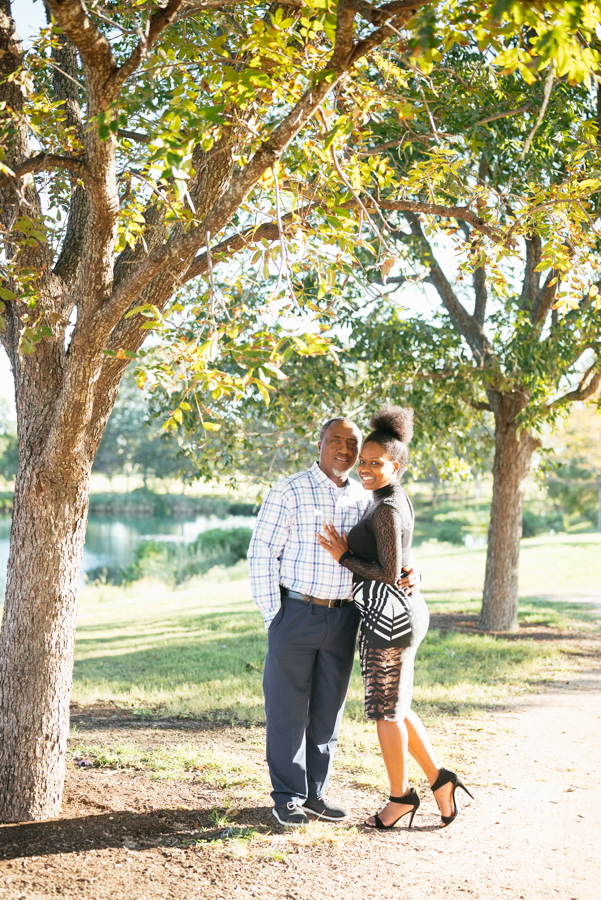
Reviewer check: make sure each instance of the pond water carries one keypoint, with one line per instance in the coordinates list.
(112, 541)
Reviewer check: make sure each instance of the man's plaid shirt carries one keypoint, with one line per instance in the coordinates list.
(284, 549)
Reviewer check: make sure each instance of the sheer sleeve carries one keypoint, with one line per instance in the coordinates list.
(388, 531)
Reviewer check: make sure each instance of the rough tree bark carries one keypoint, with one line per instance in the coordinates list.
(66, 389)
(513, 455)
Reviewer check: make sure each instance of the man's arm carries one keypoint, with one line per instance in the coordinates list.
(267, 543)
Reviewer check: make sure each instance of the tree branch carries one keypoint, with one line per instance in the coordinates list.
(481, 295)
(465, 324)
(504, 115)
(44, 162)
(447, 212)
(161, 18)
(531, 281)
(94, 49)
(269, 230)
(541, 115)
(134, 136)
(480, 404)
(589, 385)
(382, 15)
(545, 299)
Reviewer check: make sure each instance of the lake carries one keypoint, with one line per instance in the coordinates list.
(112, 541)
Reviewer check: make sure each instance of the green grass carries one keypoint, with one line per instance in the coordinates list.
(179, 762)
(199, 652)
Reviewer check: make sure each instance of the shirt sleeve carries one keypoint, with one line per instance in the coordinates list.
(264, 553)
(388, 531)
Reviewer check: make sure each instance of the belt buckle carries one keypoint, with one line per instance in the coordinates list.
(332, 604)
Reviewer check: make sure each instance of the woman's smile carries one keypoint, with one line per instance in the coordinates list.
(375, 467)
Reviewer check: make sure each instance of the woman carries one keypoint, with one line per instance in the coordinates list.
(394, 623)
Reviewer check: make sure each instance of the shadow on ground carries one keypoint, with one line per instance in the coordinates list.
(171, 827)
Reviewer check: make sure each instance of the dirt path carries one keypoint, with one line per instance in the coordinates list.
(532, 833)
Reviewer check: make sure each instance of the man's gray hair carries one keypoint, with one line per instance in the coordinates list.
(327, 424)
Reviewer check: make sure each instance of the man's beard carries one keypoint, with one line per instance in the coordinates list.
(340, 473)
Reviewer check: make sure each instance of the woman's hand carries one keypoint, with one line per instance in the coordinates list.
(332, 542)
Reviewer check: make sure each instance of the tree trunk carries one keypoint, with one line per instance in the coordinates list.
(37, 638)
(513, 455)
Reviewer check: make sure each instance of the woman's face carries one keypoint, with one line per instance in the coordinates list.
(375, 467)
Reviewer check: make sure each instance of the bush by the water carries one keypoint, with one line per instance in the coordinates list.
(175, 563)
(144, 502)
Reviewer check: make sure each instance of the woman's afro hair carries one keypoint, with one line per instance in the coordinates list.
(394, 420)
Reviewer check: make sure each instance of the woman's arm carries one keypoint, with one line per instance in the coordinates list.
(388, 530)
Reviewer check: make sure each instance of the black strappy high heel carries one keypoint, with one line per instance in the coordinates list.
(410, 799)
(445, 776)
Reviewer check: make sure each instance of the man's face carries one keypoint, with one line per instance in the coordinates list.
(338, 449)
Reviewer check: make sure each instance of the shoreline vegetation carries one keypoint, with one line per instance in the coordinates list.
(446, 516)
(143, 502)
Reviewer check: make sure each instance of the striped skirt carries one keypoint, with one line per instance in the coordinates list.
(393, 626)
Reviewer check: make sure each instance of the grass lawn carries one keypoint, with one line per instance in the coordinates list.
(198, 651)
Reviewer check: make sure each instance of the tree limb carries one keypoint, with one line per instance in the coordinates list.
(44, 162)
(480, 404)
(447, 212)
(465, 324)
(65, 67)
(269, 230)
(504, 115)
(94, 49)
(531, 280)
(545, 298)
(161, 18)
(541, 115)
(134, 136)
(481, 295)
(589, 385)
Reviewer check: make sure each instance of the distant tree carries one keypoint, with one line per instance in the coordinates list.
(530, 330)
(134, 440)
(574, 476)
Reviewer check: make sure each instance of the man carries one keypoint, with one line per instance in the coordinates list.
(306, 601)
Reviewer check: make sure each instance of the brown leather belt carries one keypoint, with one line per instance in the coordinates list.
(295, 595)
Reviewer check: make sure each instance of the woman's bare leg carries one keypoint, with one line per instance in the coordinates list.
(393, 738)
(423, 753)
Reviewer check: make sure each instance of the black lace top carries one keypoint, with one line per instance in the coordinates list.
(380, 543)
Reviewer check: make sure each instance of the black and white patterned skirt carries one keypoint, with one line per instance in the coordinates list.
(393, 626)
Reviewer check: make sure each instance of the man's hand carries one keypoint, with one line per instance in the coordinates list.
(409, 581)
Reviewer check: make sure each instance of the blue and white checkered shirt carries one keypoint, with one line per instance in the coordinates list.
(284, 549)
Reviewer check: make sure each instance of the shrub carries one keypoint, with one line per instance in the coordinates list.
(175, 563)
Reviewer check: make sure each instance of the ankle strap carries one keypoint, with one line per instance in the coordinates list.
(407, 798)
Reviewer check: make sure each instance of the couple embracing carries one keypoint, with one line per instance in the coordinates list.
(326, 556)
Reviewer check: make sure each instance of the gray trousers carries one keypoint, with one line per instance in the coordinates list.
(307, 672)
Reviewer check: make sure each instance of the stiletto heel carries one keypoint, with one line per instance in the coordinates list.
(445, 776)
(410, 799)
